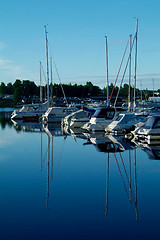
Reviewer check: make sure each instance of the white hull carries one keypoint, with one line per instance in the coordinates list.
(96, 125)
(100, 120)
(30, 111)
(55, 114)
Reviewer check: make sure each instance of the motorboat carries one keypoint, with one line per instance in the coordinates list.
(30, 112)
(56, 114)
(124, 122)
(100, 119)
(81, 117)
(74, 115)
(150, 111)
(149, 130)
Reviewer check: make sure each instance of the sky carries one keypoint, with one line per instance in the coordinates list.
(76, 36)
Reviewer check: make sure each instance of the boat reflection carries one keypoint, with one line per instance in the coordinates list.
(47, 161)
(54, 129)
(25, 126)
(75, 132)
(108, 143)
(114, 146)
(152, 151)
(5, 119)
(129, 179)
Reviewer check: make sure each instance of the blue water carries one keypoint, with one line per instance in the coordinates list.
(67, 187)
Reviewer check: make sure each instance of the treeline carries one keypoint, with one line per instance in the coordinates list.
(25, 90)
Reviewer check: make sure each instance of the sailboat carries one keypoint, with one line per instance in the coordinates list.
(102, 116)
(33, 112)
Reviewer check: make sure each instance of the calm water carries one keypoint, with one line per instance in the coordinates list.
(55, 186)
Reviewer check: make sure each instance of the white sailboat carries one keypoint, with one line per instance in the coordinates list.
(33, 112)
(102, 116)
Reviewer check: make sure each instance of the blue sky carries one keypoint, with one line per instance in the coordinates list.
(76, 34)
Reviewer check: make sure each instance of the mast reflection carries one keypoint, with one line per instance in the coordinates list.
(115, 146)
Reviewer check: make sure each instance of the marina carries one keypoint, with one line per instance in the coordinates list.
(79, 120)
(76, 184)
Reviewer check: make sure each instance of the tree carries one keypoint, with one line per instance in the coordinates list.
(10, 89)
(2, 88)
(17, 86)
(17, 95)
(29, 88)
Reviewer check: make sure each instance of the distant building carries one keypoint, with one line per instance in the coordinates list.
(154, 99)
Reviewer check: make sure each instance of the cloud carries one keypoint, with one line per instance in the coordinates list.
(9, 68)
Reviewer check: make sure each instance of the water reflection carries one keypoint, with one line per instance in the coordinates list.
(152, 150)
(54, 129)
(115, 146)
(4, 122)
(77, 182)
(21, 125)
(127, 185)
(101, 141)
(115, 149)
(108, 143)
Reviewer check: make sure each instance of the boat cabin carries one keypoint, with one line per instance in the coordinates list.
(107, 113)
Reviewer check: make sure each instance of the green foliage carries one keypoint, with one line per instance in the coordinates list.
(17, 95)
(9, 88)
(27, 89)
(2, 88)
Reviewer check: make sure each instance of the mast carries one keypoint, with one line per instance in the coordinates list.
(48, 167)
(130, 189)
(153, 88)
(135, 179)
(107, 184)
(141, 89)
(107, 71)
(51, 83)
(129, 87)
(135, 69)
(40, 84)
(47, 64)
